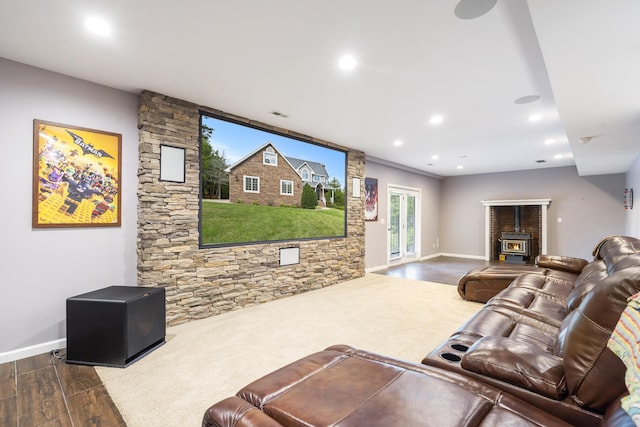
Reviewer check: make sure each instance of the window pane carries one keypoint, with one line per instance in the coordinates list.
(411, 224)
(270, 158)
(286, 187)
(394, 226)
(251, 184)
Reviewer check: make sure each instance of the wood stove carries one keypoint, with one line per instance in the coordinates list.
(515, 246)
(501, 216)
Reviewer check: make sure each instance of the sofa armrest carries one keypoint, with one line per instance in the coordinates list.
(563, 263)
(482, 284)
(519, 364)
(234, 411)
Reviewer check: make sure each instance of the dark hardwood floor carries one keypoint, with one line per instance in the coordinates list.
(441, 269)
(45, 391)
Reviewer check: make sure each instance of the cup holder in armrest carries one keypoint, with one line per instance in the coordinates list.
(451, 357)
(460, 347)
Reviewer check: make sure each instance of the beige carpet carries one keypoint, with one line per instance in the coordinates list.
(208, 360)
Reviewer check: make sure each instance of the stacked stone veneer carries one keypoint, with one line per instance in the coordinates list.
(202, 282)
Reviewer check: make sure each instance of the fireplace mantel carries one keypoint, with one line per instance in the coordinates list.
(517, 202)
(543, 203)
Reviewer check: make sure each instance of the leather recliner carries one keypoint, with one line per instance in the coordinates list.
(545, 340)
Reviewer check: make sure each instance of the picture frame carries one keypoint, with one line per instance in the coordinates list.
(370, 199)
(76, 176)
(355, 187)
(172, 164)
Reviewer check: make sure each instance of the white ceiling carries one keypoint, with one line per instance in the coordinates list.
(415, 59)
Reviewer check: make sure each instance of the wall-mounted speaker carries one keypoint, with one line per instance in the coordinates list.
(115, 326)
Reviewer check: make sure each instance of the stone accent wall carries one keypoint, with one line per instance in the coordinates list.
(202, 282)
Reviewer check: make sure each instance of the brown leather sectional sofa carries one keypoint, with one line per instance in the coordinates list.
(534, 355)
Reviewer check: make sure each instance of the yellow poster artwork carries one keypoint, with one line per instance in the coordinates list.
(76, 176)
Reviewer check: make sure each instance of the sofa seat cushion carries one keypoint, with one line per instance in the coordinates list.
(342, 386)
(500, 321)
(549, 284)
(533, 295)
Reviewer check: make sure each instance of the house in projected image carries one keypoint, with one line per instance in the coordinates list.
(267, 177)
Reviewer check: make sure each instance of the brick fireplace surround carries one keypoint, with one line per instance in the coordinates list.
(500, 217)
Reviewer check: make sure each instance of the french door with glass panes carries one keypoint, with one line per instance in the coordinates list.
(404, 224)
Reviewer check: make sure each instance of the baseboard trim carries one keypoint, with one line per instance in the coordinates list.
(33, 350)
(426, 257)
(374, 269)
(481, 257)
(384, 267)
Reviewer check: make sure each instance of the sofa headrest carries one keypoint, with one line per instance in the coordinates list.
(614, 248)
(626, 262)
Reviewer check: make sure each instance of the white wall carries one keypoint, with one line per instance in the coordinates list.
(590, 207)
(632, 216)
(376, 232)
(40, 268)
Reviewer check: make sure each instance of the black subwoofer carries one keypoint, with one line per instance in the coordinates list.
(115, 326)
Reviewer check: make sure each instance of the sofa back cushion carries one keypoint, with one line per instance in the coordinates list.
(594, 375)
(590, 276)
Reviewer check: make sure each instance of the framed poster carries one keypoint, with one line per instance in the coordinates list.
(76, 176)
(370, 199)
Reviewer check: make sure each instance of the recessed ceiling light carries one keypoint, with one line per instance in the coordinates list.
(549, 141)
(347, 62)
(435, 157)
(527, 99)
(459, 167)
(397, 142)
(534, 117)
(436, 119)
(98, 26)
